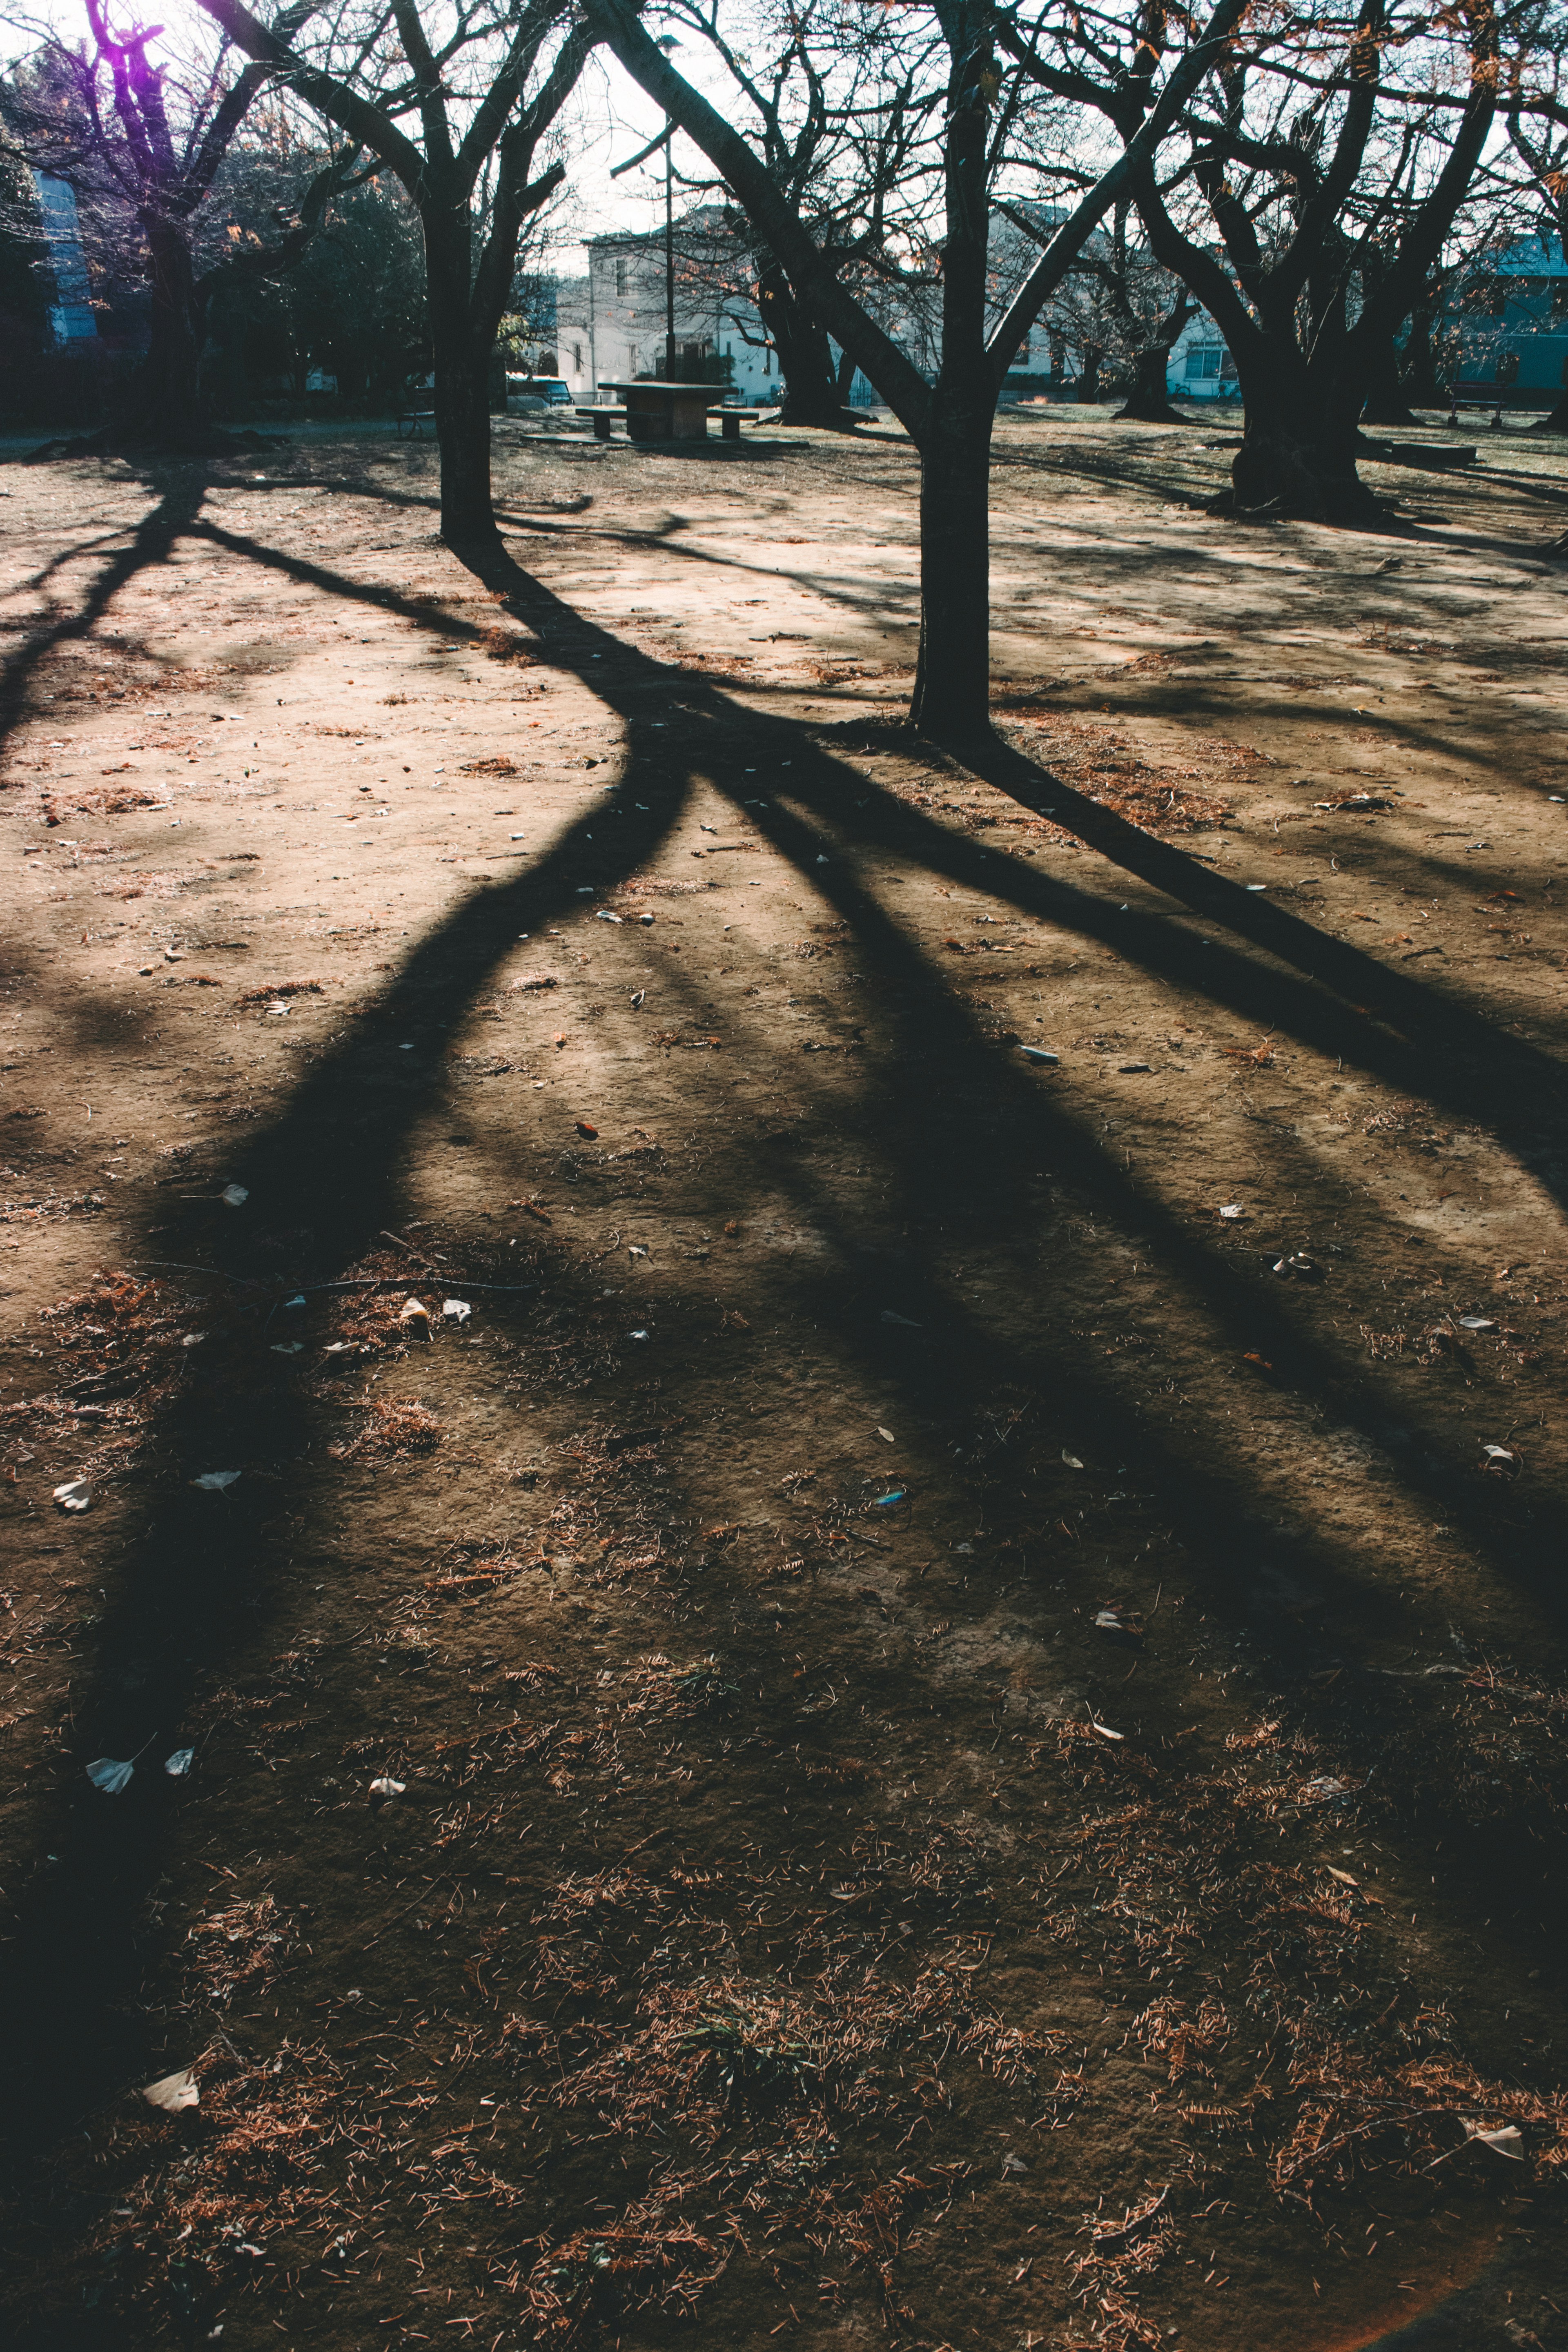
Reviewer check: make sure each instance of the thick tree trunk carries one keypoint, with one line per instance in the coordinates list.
(1297, 454)
(164, 402)
(462, 383)
(463, 432)
(805, 357)
(952, 678)
(1148, 401)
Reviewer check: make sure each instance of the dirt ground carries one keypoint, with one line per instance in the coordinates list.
(966, 1650)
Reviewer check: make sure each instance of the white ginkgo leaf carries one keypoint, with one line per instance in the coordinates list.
(74, 1496)
(1105, 1731)
(179, 1763)
(108, 1775)
(1071, 1460)
(414, 1311)
(457, 1310)
(387, 1787)
(214, 1481)
(1233, 1209)
(1507, 2140)
(173, 2092)
(235, 1195)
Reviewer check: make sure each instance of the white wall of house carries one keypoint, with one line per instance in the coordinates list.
(1201, 366)
(610, 325)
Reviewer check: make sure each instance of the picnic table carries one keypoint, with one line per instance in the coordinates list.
(657, 410)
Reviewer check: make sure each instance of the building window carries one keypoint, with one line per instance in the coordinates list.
(1208, 361)
(623, 276)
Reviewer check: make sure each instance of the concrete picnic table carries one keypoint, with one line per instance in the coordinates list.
(657, 410)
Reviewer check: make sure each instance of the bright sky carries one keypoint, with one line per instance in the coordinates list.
(612, 121)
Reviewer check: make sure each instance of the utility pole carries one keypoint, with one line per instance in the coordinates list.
(667, 141)
(670, 255)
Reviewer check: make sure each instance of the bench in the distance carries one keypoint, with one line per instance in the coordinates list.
(730, 420)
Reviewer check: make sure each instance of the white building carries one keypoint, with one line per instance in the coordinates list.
(1201, 366)
(610, 326)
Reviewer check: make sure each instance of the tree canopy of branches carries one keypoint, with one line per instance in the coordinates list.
(143, 137)
(1313, 202)
(942, 67)
(443, 100)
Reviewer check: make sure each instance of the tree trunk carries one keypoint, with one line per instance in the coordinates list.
(1557, 421)
(1386, 402)
(164, 401)
(952, 698)
(806, 361)
(1148, 401)
(462, 367)
(463, 431)
(1089, 374)
(1297, 454)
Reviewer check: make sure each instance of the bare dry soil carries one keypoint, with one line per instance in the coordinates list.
(850, 1494)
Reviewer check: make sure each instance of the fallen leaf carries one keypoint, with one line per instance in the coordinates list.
(173, 2092)
(887, 1434)
(1507, 2140)
(1071, 1460)
(1233, 1209)
(235, 1195)
(385, 1787)
(179, 1763)
(108, 1775)
(1342, 1876)
(1105, 1731)
(456, 1311)
(584, 1128)
(74, 1496)
(216, 1481)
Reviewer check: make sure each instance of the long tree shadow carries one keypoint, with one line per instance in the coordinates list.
(329, 1169)
(152, 541)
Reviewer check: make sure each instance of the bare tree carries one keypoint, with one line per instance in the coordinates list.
(1119, 303)
(469, 174)
(142, 138)
(951, 418)
(1328, 196)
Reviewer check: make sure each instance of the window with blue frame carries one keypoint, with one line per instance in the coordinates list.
(1209, 360)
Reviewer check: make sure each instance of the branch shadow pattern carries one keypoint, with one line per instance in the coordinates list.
(331, 1165)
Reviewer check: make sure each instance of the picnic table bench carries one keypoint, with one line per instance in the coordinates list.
(657, 410)
(414, 418)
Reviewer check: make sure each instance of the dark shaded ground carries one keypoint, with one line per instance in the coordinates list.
(981, 1742)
